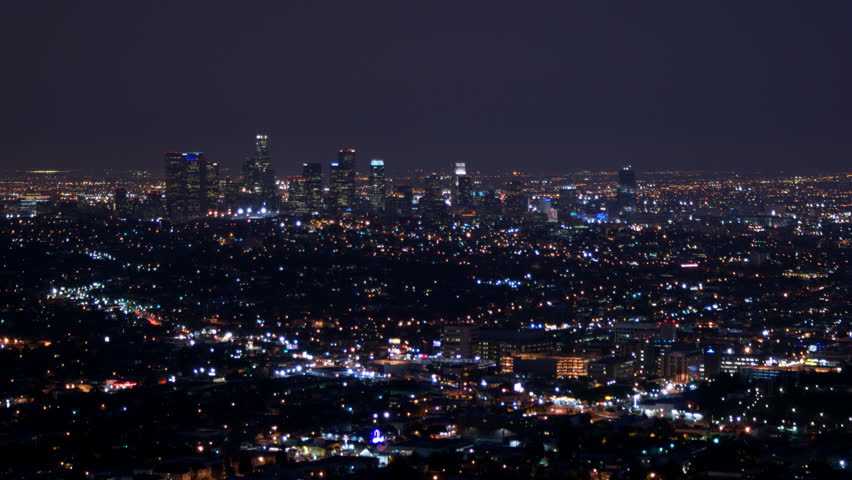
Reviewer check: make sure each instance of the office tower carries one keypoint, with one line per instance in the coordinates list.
(230, 193)
(464, 192)
(515, 201)
(342, 182)
(211, 181)
(191, 184)
(298, 198)
(377, 186)
(567, 201)
(432, 203)
(313, 185)
(258, 176)
(457, 341)
(626, 192)
(462, 187)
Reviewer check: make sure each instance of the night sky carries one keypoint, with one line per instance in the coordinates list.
(550, 86)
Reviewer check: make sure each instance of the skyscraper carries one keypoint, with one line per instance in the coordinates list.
(567, 200)
(211, 186)
(432, 203)
(462, 187)
(342, 182)
(626, 191)
(258, 176)
(377, 186)
(464, 192)
(313, 186)
(298, 198)
(192, 184)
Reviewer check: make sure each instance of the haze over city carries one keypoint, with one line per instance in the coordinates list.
(556, 87)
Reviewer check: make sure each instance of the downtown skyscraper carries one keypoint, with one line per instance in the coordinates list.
(342, 182)
(258, 176)
(312, 172)
(192, 184)
(626, 191)
(378, 186)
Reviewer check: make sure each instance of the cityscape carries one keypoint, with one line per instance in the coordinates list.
(616, 324)
(443, 240)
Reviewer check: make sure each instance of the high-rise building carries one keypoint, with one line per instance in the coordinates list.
(464, 192)
(462, 187)
(258, 176)
(378, 186)
(313, 185)
(192, 184)
(211, 188)
(432, 203)
(567, 200)
(342, 182)
(626, 192)
(298, 198)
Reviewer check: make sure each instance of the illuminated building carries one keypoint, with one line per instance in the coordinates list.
(258, 176)
(192, 184)
(497, 344)
(626, 191)
(629, 331)
(613, 368)
(567, 201)
(464, 192)
(549, 366)
(457, 341)
(681, 366)
(460, 169)
(211, 185)
(432, 203)
(298, 198)
(342, 182)
(733, 363)
(312, 172)
(377, 186)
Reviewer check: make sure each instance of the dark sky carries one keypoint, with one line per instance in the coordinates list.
(545, 86)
